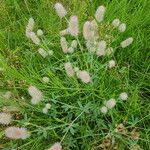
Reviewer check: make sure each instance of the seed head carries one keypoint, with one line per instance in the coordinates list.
(111, 64)
(116, 23)
(100, 12)
(69, 70)
(56, 146)
(122, 27)
(42, 52)
(101, 48)
(64, 44)
(110, 103)
(34, 38)
(123, 96)
(126, 42)
(5, 118)
(60, 10)
(84, 76)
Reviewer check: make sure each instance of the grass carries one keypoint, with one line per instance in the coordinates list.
(75, 117)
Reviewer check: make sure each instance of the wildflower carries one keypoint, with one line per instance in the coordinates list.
(74, 44)
(36, 94)
(110, 103)
(121, 129)
(109, 51)
(91, 46)
(29, 27)
(94, 25)
(45, 79)
(123, 96)
(116, 23)
(126, 42)
(63, 32)
(48, 105)
(73, 26)
(60, 10)
(64, 44)
(50, 52)
(45, 110)
(69, 70)
(70, 50)
(39, 32)
(87, 32)
(111, 64)
(122, 27)
(7, 95)
(34, 38)
(99, 15)
(84, 76)
(56, 146)
(101, 48)
(16, 133)
(135, 135)
(5, 118)
(42, 52)
(104, 110)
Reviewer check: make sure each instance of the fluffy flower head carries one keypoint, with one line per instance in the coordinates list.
(123, 96)
(126, 42)
(56, 146)
(110, 103)
(73, 26)
(60, 10)
(84, 76)
(5, 118)
(100, 12)
(16, 133)
(69, 69)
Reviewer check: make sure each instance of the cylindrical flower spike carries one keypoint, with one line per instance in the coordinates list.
(60, 10)
(111, 64)
(70, 50)
(122, 27)
(64, 32)
(74, 44)
(29, 27)
(126, 42)
(16, 133)
(110, 103)
(5, 118)
(84, 76)
(64, 44)
(116, 23)
(101, 48)
(69, 69)
(42, 52)
(56, 146)
(73, 26)
(87, 32)
(34, 38)
(104, 109)
(100, 12)
(36, 94)
(39, 32)
(123, 96)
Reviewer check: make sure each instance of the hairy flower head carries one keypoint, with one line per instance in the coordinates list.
(60, 10)
(5, 118)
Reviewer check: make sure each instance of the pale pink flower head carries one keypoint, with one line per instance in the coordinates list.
(60, 10)
(87, 32)
(64, 44)
(101, 48)
(100, 12)
(29, 27)
(126, 42)
(16, 133)
(73, 26)
(34, 38)
(123, 96)
(39, 32)
(84, 76)
(122, 27)
(110, 103)
(5, 118)
(56, 146)
(104, 109)
(69, 69)
(116, 23)
(111, 64)
(36, 94)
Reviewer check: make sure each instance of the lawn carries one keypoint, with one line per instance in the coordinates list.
(81, 107)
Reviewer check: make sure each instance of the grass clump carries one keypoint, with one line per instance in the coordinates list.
(92, 95)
